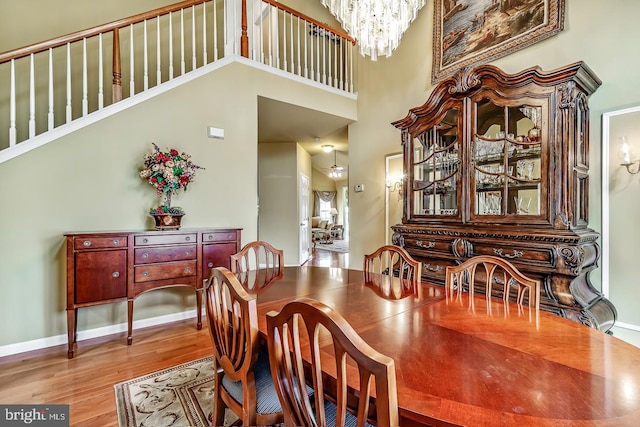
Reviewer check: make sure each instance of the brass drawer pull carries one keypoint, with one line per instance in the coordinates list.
(427, 245)
(210, 265)
(516, 254)
(145, 240)
(210, 237)
(115, 274)
(187, 253)
(187, 238)
(145, 255)
(116, 241)
(86, 243)
(230, 236)
(145, 273)
(187, 270)
(434, 269)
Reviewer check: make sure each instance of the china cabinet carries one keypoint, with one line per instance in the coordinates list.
(498, 164)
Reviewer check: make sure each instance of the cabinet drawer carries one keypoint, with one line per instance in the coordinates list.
(99, 242)
(428, 245)
(173, 270)
(218, 236)
(166, 239)
(530, 255)
(164, 254)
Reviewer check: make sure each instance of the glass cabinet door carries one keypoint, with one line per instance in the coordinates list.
(507, 160)
(436, 168)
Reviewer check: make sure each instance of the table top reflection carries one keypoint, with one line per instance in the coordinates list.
(471, 362)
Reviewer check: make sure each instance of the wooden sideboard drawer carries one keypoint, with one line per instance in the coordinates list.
(173, 270)
(100, 242)
(164, 239)
(219, 236)
(150, 255)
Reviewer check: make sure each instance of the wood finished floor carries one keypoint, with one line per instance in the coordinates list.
(86, 381)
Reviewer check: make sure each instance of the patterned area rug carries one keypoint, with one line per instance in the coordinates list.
(336, 246)
(178, 396)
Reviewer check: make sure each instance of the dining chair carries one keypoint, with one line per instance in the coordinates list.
(299, 359)
(242, 378)
(258, 264)
(494, 271)
(395, 261)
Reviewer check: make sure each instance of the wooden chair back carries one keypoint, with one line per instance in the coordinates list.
(309, 333)
(233, 326)
(394, 261)
(494, 274)
(257, 265)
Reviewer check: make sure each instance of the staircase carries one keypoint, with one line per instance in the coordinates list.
(51, 88)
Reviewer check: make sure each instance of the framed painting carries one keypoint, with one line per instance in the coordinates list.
(474, 32)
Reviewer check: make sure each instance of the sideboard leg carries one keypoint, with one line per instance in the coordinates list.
(199, 307)
(72, 317)
(129, 321)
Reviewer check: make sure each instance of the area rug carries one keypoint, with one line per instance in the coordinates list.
(336, 246)
(179, 396)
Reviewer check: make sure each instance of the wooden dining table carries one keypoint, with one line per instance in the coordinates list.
(468, 361)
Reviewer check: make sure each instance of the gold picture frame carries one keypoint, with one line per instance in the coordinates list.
(473, 32)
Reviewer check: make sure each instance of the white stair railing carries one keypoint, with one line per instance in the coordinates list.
(54, 83)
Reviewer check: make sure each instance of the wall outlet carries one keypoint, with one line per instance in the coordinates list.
(359, 188)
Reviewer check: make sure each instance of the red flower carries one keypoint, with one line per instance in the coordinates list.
(173, 152)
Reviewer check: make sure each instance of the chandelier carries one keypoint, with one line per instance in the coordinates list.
(377, 25)
(335, 171)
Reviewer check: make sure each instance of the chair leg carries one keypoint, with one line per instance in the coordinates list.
(218, 409)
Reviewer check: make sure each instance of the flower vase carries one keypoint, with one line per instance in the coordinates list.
(166, 217)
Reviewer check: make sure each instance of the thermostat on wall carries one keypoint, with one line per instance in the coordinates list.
(216, 133)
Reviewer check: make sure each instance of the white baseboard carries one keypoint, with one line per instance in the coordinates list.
(627, 326)
(38, 344)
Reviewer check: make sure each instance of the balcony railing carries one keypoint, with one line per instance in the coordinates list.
(51, 84)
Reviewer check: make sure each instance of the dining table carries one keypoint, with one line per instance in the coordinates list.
(467, 360)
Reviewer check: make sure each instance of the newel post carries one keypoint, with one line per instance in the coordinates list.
(244, 38)
(116, 87)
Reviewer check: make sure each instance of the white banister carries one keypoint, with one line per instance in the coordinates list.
(132, 64)
(68, 107)
(158, 53)
(205, 61)
(100, 74)
(12, 105)
(295, 44)
(194, 62)
(170, 46)
(182, 64)
(145, 58)
(32, 97)
(50, 111)
(85, 91)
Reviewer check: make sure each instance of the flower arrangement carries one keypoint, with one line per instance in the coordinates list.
(169, 172)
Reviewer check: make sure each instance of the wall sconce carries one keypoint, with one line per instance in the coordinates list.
(625, 152)
(395, 184)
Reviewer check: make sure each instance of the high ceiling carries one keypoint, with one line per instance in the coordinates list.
(283, 122)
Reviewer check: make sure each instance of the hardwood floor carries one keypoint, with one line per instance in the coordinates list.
(86, 381)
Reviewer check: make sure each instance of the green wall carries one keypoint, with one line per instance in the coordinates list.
(86, 180)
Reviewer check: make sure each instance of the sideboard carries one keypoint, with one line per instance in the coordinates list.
(107, 267)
